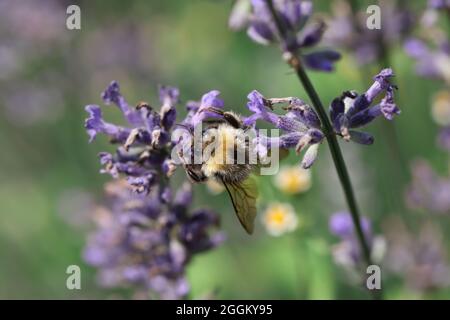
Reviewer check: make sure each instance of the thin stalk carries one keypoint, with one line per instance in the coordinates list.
(335, 150)
(337, 158)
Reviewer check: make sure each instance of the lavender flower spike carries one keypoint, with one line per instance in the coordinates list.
(142, 150)
(293, 15)
(351, 110)
(301, 126)
(147, 237)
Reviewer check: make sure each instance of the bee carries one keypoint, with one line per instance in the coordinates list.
(226, 143)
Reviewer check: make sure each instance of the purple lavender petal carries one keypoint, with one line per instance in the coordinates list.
(290, 124)
(260, 10)
(251, 120)
(95, 124)
(169, 98)
(359, 104)
(142, 184)
(257, 104)
(211, 99)
(361, 137)
(312, 34)
(183, 196)
(261, 32)
(316, 135)
(287, 141)
(337, 107)
(112, 95)
(295, 13)
(382, 82)
(388, 106)
(168, 95)
(364, 117)
(304, 113)
(321, 60)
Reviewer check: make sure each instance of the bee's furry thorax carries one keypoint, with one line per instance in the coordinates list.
(226, 154)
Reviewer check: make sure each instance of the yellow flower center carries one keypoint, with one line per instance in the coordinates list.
(280, 218)
(293, 180)
(277, 216)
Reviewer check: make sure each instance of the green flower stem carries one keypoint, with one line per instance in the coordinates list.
(337, 158)
(331, 138)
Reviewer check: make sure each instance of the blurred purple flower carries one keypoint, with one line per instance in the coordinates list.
(124, 48)
(143, 242)
(431, 47)
(439, 4)
(443, 139)
(350, 110)
(348, 252)
(431, 62)
(31, 34)
(42, 30)
(419, 257)
(27, 103)
(427, 190)
(293, 16)
(348, 30)
(341, 225)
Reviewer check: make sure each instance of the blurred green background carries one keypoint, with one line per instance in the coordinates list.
(50, 176)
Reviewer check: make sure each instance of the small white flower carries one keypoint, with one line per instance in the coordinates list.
(280, 218)
(293, 179)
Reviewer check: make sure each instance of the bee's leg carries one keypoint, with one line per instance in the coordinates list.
(229, 117)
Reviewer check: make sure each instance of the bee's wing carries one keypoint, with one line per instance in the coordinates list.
(243, 196)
